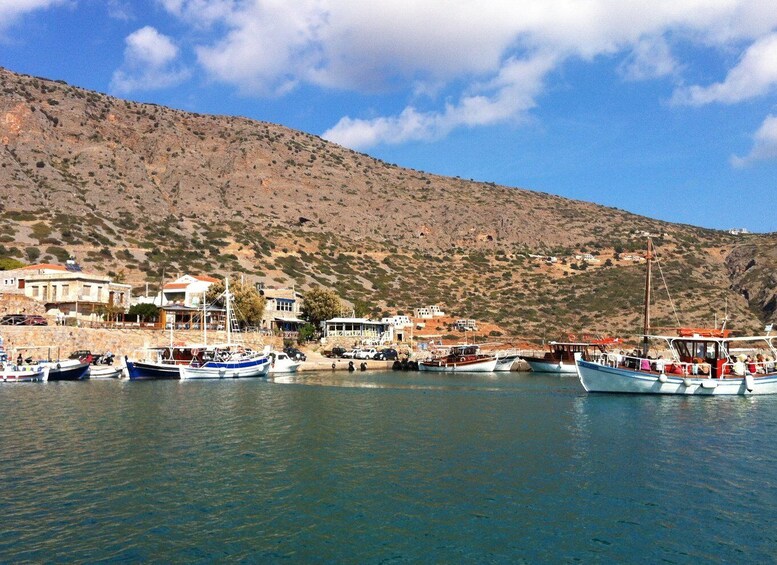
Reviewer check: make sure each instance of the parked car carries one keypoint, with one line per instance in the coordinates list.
(387, 354)
(12, 320)
(294, 353)
(336, 352)
(351, 353)
(367, 353)
(34, 320)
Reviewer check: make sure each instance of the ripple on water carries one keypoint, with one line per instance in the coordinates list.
(382, 467)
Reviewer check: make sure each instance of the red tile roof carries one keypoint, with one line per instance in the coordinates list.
(50, 266)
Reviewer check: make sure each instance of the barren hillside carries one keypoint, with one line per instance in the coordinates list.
(139, 190)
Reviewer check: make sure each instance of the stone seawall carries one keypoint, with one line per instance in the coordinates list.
(62, 340)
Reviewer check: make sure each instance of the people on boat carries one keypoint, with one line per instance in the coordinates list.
(751, 368)
(739, 368)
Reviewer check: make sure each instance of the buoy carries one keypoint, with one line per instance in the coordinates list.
(662, 378)
(363, 366)
(334, 366)
(350, 366)
(749, 383)
(686, 382)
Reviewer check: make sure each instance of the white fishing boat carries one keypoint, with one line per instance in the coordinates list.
(105, 371)
(460, 359)
(696, 362)
(281, 363)
(505, 360)
(12, 373)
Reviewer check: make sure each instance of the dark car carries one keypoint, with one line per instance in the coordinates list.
(294, 353)
(36, 321)
(387, 354)
(12, 320)
(337, 352)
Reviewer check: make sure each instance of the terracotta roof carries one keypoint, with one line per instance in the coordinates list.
(45, 266)
(205, 278)
(173, 286)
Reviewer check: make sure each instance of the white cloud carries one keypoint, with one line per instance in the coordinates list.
(650, 58)
(764, 146)
(11, 10)
(427, 48)
(149, 62)
(754, 75)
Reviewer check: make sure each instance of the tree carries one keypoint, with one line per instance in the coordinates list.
(247, 303)
(6, 264)
(321, 304)
(306, 332)
(144, 311)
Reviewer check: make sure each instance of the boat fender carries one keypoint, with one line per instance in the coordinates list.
(708, 383)
(662, 378)
(749, 383)
(59, 366)
(222, 372)
(363, 366)
(686, 382)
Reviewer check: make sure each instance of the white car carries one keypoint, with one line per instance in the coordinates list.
(352, 354)
(366, 353)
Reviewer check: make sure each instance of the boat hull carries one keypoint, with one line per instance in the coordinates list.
(68, 372)
(542, 366)
(485, 366)
(144, 371)
(105, 372)
(602, 378)
(249, 368)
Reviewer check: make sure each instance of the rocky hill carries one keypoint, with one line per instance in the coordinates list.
(142, 191)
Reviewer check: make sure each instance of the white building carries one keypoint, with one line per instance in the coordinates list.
(282, 310)
(188, 290)
(360, 329)
(68, 291)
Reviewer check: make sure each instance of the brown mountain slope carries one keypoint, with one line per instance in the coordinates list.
(139, 189)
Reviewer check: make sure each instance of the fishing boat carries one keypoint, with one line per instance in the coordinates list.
(505, 360)
(12, 373)
(698, 361)
(561, 355)
(161, 363)
(460, 359)
(71, 369)
(280, 362)
(227, 360)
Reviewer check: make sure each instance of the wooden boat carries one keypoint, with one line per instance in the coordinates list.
(699, 362)
(561, 355)
(460, 359)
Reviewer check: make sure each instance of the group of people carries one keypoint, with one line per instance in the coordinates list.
(747, 365)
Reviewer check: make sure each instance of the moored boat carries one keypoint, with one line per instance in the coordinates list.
(280, 362)
(218, 363)
(10, 373)
(460, 359)
(699, 364)
(561, 355)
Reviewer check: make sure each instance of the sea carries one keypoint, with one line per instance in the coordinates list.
(383, 467)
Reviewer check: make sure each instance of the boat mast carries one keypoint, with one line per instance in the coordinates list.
(646, 326)
(229, 311)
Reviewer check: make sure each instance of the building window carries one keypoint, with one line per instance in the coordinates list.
(283, 305)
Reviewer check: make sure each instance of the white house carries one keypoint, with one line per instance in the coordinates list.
(188, 290)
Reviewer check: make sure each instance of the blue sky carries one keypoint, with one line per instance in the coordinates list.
(665, 108)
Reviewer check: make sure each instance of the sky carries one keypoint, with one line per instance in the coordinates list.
(664, 108)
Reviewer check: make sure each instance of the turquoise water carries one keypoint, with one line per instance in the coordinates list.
(383, 467)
